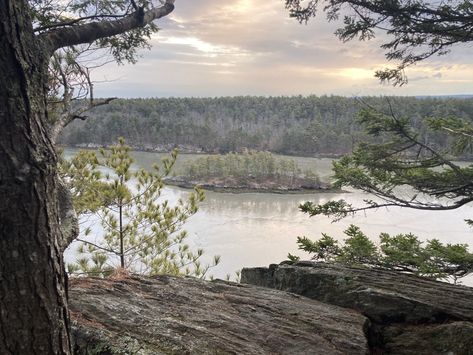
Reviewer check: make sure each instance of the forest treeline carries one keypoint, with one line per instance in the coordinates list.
(308, 126)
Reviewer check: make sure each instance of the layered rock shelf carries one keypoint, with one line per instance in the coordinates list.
(168, 315)
(408, 314)
(304, 308)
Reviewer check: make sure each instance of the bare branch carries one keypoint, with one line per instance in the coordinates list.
(97, 246)
(67, 117)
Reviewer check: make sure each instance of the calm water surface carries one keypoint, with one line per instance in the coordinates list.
(256, 229)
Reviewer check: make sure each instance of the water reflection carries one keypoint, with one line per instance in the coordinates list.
(259, 229)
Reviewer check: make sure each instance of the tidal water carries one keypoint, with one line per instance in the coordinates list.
(257, 229)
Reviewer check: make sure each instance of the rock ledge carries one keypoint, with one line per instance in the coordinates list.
(408, 314)
(168, 315)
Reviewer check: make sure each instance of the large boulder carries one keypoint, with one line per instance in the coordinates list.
(408, 314)
(168, 315)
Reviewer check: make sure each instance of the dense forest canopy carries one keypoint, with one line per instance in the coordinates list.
(290, 125)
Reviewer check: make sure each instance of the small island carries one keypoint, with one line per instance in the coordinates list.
(250, 171)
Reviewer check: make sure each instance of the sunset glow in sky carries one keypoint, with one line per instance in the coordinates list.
(252, 47)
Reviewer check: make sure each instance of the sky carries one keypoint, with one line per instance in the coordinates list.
(209, 48)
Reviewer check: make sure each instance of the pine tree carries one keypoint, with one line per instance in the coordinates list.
(401, 252)
(140, 231)
(403, 156)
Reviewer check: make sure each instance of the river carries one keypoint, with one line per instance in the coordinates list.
(256, 229)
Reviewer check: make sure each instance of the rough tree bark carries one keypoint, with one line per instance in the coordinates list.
(33, 301)
(33, 307)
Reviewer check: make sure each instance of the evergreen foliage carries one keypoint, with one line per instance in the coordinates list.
(408, 163)
(405, 159)
(404, 153)
(140, 232)
(256, 166)
(415, 29)
(402, 252)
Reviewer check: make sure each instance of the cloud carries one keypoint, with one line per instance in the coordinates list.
(252, 47)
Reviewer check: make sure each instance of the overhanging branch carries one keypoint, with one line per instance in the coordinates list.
(90, 32)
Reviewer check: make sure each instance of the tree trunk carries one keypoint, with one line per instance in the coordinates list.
(33, 305)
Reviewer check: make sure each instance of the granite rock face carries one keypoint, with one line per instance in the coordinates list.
(408, 314)
(168, 315)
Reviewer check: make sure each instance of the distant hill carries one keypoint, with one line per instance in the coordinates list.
(446, 97)
(309, 126)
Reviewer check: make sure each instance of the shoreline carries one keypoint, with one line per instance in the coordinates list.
(186, 150)
(248, 189)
